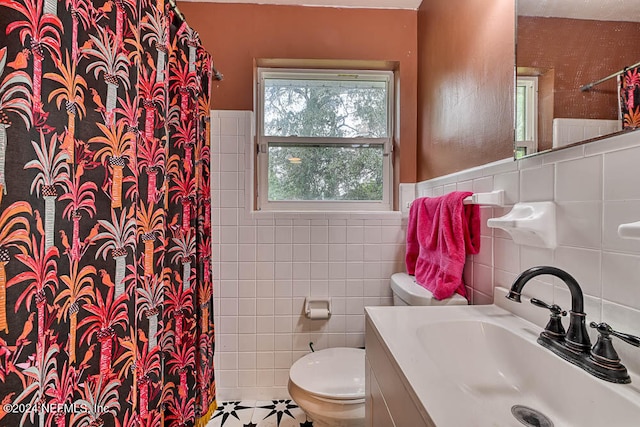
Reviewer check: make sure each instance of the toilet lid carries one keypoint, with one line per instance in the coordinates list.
(334, 373)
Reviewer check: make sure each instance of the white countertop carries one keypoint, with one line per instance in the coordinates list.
(489, 379)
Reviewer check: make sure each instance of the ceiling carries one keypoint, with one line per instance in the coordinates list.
(609, 10)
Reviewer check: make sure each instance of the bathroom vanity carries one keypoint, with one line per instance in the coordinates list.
(390, 400)
(480, 366)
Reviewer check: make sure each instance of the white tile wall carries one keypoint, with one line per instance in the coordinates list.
(596, 187)
(267, 263)
(567, 131)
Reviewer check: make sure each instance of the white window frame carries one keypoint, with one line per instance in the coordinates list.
(531, 114)
(262, 141)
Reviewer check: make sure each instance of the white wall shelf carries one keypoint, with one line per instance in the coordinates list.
(531, 224)
(630, 230)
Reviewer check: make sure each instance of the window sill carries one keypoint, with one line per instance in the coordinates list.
(374, 215)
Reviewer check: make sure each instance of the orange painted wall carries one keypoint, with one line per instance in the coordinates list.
(465, 91)
(580, 52)
(239, 34)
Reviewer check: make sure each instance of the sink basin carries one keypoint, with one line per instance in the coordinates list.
(470, 365)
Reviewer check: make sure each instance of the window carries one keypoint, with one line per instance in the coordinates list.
(526, 115)
(324, 139)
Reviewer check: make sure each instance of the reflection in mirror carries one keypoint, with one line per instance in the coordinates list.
(565, 51)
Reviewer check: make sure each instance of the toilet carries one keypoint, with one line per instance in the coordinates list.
(328, 385)
(407, 292)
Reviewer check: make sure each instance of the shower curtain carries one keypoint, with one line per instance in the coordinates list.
(630, 98)
(106, 313)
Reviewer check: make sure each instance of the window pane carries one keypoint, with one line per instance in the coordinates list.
(521, 112)
(325, 172)
(325, 108)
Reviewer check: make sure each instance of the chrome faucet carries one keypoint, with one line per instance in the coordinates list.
(574, 346)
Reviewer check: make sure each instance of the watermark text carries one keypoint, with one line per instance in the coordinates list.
(53, 408)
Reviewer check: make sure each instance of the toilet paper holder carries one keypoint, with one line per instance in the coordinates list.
(315, 309)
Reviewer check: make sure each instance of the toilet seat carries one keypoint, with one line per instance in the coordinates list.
(331, 374)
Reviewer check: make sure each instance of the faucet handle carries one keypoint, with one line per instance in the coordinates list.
(605, 356)
(554, 328)
(554, 309)
(605, 330)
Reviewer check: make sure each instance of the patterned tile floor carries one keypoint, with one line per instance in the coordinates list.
(266, 413)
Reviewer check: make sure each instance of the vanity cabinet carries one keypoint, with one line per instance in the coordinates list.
(389, 399)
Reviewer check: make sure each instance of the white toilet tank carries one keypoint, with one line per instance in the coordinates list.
(407, 292)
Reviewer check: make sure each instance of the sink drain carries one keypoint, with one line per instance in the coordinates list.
(530, 417)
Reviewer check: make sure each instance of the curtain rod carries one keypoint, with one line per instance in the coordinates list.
(604, 79)
(179, 14)
(216, 74)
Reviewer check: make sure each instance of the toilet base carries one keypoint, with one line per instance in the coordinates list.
(329, 413)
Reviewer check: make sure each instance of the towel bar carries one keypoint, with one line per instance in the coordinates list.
(494, 198)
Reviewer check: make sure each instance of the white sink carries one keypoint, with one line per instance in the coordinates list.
(470, 365)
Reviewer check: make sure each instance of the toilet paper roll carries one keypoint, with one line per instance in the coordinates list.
(318, 313)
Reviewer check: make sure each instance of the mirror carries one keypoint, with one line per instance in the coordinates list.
(569, 54)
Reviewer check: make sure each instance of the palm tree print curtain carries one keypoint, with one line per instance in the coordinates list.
(106, 314)
(630, 98)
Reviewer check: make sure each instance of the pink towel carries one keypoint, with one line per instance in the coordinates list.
(440, 233)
